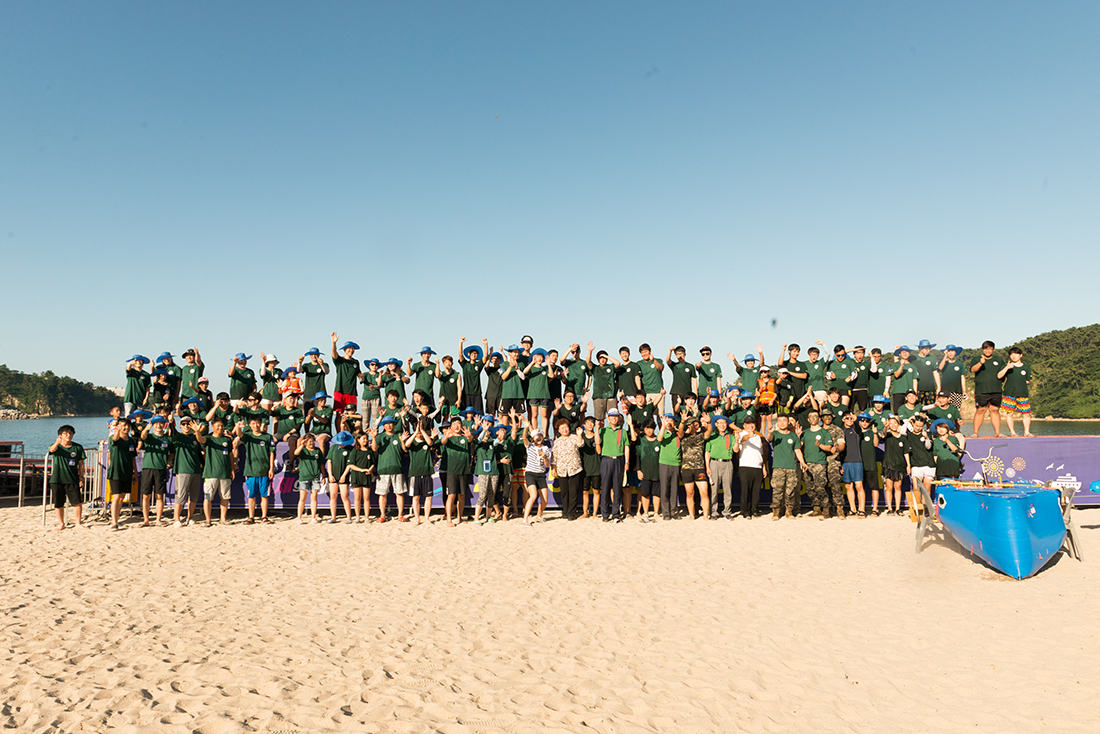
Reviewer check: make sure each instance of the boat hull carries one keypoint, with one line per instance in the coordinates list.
(1017, 531)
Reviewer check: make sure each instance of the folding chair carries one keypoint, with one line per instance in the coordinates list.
(926, 515)
(1072, 544)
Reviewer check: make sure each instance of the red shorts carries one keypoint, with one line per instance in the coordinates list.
(340, 399)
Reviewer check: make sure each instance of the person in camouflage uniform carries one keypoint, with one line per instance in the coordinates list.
(817, 444)
(834, 472)
(786, 460)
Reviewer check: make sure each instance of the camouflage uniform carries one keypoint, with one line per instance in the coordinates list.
(834, 470)
(815, 476)
(785, 488)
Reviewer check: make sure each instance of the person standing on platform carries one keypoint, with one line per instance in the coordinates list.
(190, 373)
(987, 388)
(347, 375)
(137, 384)
(953, 376)
(1016, 401)
(242, 380)
(471, 359)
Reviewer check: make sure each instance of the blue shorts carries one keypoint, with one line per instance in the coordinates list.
(257, 487)
(853, 472)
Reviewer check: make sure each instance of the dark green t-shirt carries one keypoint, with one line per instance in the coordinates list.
(899, 385)
(813, 439)
(947, 461)
(188, 454)
(258, 447)
(867, 450)
(456, 450)
(876, 381)
(219, 457)
(347, 374)
(338, 461)
(471, 376)
(448, 386)
(512, 389)
(798, 384)
(784, 446)
(986, 381)
(390, 450)
(590, 460)
(576, 375)
(538, 386)
(241, 383)
(423, 377)
(1015, 384)
(372, 382)
(122, 455)
(189, 381)
(682, 373)
(926, 373)
(603, 381)
(840, 368)
(271, 384)
(652, 379)
(421, 458)
(321, 421)
(494, 386)
(364, 459)
(709, 373)
(894, 450)
(951, 413)
(137, 385)
(863, 374)
(919, 455)
(309, 464)
(287, 419)
(157, 450)
(488, 456)
(313, 379)
(625, 375)
(65, 461)
(951, 376)
(572, 414)
(815, 372)
(649, 450)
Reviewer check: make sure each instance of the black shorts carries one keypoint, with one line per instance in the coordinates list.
(983, 399)
(539, 403)
(535, 479)
(765, 410)
(861, 398)
(509, 404)
(154, 481)
(591, 484)
(421, 487)
(893, 475)
(119, 487)
(492, 406)
(692, 475)
(648, 487)
(870, 477)
(472, 401)
(455, 484)
(61, 492)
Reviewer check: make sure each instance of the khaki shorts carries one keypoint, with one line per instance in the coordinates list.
(212, 487)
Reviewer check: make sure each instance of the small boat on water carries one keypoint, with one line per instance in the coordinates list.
(1017, 530)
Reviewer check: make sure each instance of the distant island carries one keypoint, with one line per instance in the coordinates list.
(46, 394)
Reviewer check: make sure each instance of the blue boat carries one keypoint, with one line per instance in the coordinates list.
(1017, 530)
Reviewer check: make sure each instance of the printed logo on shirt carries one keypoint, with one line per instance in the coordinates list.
(790, 440)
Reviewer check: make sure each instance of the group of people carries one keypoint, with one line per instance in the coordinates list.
(519, 419)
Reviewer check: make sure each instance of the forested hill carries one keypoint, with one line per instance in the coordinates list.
(49, 394)
(1067, 372)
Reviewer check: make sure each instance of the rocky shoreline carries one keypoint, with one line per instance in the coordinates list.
(11, 414)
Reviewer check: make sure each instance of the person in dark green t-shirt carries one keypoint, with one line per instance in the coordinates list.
(538, 391)
(577, 370)
(1016, 401)
(219, 466)
(390, 450)
(347, 375)
(450, 383)
(318, 420)
(314, 371)
(137, 384)
(190, 372)
(652, 377)
(420, 446)
(424, 372)
(67, 475)
(684, 376)
(512, 392)
(122, 453)
(628, 374)
(310, 461)
(603, 383)
(471, 360)
(947, 449)
(187, 468)
(370, 405)
(709, 373)
(987, 388)
(269, 376)
(953, 373)
(259, 465)
(336, 461)
(242, 380)
(156, 444)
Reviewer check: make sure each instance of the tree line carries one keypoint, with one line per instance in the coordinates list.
(48, 394)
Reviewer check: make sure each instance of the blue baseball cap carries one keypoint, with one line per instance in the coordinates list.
(312, 351)
(746, 395)
(880, 399)
(353, 345)
(137, 357)
(864, 416)
(513, 348)
(475, 348)
(925, 343)
(749, 358)
(322, 395)
(242, 357)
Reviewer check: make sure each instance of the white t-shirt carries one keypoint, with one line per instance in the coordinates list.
(752, 452)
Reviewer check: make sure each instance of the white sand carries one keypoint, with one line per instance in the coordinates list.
(689, 627)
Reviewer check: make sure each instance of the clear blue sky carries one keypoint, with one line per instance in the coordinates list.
(253, 176)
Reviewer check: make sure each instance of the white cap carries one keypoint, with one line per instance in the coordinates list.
(270, 358)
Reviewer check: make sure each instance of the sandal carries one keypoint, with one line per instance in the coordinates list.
(875, 512)
(861, 513)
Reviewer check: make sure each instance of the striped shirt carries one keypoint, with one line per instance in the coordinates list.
(538, 458)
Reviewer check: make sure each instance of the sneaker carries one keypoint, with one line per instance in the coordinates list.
(177, 524)
(618, 519)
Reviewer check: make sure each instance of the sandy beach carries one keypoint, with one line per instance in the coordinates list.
(697, 627)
